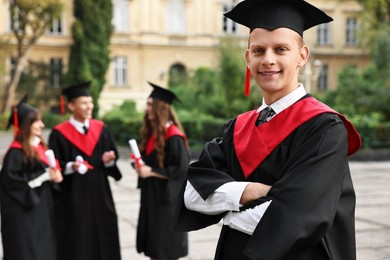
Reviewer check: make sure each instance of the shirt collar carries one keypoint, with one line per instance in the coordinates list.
(79, 125)
(286, 101)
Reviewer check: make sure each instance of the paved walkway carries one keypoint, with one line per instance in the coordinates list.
(372, 185)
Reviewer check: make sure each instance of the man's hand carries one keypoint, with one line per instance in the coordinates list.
(56, 175)
(253, 191)
(108, 157)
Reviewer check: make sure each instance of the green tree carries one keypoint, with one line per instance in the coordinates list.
(89, 56)
(217, 93)
(30, 20)
(376, 33)
(232, 69)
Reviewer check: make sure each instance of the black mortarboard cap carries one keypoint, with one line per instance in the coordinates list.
(77, 90)
(19, 113)
(296, 15)
(163, 94)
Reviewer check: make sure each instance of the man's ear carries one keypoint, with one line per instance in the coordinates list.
(247, 58)
(304, 55)
(71, 106)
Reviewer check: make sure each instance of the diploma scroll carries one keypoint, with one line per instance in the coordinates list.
(82, 168)
(52, 159)
(136, 154)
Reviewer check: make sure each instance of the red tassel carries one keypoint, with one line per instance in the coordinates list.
(16, 121)
(62, 104)
(247, 85)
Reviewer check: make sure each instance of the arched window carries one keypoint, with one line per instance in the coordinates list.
(177, 74)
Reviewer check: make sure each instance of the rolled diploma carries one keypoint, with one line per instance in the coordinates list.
(135, 150)
(82, 168)
(52, 159)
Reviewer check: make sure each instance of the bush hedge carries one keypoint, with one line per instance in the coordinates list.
(202, 129)
(197, 131)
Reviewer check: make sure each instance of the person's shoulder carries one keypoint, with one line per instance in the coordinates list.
(60, 125)
(322, 122)
(97, 123)
(13, 153)
(243, 116)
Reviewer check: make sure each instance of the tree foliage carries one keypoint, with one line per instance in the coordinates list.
(29, 21)
(376, 32)
(217, 93)
(89, 55)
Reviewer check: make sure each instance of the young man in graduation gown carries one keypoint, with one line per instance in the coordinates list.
(279, 176)
(85, 212)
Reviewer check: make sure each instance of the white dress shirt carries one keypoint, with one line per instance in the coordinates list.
(227, 197)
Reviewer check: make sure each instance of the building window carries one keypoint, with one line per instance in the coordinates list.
(176, 17)
(351, 37)
(177, 74)
(120, 18)
(120, 71)
(56, 27)
(228, 25)
(56, 66)
(323, 34)
(323, 78)
(14, 24)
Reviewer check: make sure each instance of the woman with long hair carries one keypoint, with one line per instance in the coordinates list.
(26, 183)
(165, 154)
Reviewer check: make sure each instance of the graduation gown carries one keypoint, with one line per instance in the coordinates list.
(27, 215)
(156, 236)
(302, 153)
(85, 211)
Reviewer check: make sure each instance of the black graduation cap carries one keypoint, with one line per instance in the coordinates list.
(163, 94)
(296, 15)
(77, 90)
(19, 113)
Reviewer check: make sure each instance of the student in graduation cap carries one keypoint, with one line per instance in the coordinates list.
(85, 212)
(279, 176)
(165, 153)
(27, 209)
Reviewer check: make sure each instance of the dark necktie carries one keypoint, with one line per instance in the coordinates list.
(265, 114)
(85, 129)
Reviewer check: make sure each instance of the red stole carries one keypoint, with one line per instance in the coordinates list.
(253, 144)
(84, 142)
(40, 150)
(172, 130)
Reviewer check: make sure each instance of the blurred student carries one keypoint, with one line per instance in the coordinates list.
(27, 210)
(85, 212)
(165, 153)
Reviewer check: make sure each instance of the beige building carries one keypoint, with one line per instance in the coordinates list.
(153, 37)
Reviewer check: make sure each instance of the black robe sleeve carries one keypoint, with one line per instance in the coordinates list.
(306, 198)
(176, 160)
(110, 145)
(56, 144)
(206, 175)
(14, 179)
